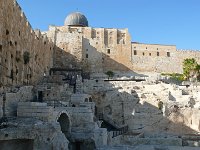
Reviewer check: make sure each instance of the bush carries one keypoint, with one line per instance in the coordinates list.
(110, 74)
(176, 76)
(160, 105)
(26, 56)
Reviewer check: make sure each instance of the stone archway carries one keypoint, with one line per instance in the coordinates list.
(64, 120)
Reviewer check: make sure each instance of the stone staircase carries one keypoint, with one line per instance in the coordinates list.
(112, 126)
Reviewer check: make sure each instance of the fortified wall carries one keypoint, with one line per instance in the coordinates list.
(94, 49)
(25, 55)
(76, 47)
(160, 58)
(99, 50)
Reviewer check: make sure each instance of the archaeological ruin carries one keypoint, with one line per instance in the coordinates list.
(75, 87)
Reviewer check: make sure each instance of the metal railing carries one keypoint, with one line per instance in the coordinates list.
(104, 117)
(120, 131)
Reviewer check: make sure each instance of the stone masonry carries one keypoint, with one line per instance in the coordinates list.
(55, 93)
(17, 38)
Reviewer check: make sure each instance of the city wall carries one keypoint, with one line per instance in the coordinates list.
(25, 55)
(93, 49)
(102, 49)
(160, 58)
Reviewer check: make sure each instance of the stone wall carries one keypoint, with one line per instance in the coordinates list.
(160, 58)
(35, 110)
(10, 100)
(53, 89)
(93, 49)
(102, 49)
(42, 135)
(68, 49)
(17, 40)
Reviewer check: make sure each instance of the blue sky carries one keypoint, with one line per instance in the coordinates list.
(174, 22)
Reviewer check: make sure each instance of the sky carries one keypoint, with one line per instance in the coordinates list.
(173, 22)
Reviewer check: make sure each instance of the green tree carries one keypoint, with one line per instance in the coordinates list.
(189, 67)
(110, 74)
(197, 69)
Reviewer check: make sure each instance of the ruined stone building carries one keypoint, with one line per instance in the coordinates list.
(55, 95)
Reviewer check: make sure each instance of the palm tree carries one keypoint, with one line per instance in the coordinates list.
(198, 71)
(190, 68)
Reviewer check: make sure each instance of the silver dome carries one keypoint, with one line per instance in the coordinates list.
(76, 19)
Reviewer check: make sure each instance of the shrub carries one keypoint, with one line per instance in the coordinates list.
(26, 56)
(110, 74)
(176, 76)
(160, 105)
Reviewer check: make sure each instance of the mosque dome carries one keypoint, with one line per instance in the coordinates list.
(76, 19)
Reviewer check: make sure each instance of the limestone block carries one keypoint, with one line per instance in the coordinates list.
(11, 104)
(26, 93)
(30, 104)
(100, 137)
(78, 98)
(34, 109)
(114, 140)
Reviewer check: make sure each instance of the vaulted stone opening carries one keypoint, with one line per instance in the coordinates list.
(64, 124)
